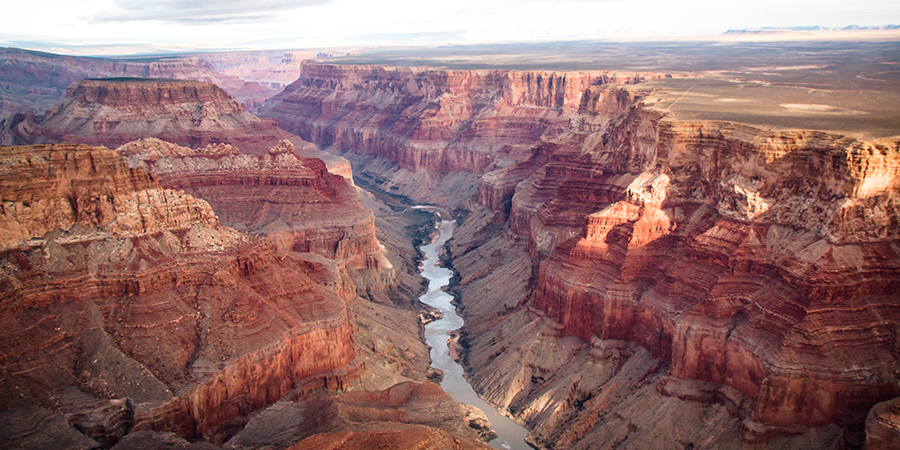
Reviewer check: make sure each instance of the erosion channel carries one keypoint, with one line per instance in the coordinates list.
(511, 435)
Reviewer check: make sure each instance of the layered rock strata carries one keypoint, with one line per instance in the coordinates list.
(296, 202)
(427, 119)
(115, 288)
(111, 112)
(760, 266)
(724, 252)
(728, 255)
(883, 426)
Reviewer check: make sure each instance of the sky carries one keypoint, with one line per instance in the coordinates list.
(114, 26)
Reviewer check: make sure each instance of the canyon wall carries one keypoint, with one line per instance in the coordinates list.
(727, 254)
(116, 288)
(296, 202)
(761, 266)
(427, 119)
(31, 81)
(111, 112)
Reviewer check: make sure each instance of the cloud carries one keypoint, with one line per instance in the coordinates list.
(200, 11)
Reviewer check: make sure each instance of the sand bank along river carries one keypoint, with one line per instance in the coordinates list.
(511, 434)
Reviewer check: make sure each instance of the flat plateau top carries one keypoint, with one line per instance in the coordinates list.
(846, 86)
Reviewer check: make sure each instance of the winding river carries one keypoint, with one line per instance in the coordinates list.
(511, 434)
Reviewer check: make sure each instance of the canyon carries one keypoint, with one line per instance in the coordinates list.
(163, 317)
(647, 262)
(631, 273)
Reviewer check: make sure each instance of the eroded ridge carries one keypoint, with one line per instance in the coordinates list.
(115, 288)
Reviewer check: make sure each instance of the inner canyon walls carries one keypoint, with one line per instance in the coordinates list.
(116, 288)
(698, 262)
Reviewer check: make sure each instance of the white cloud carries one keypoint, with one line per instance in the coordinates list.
(200, 11)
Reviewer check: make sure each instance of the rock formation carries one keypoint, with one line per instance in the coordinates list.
(294, 201)
(168, 323)
(408, 415)
(697, 263)
(437, 120)
(727, 254)
(111, 112)
(883, 426)
(115, 288)
(35, 81)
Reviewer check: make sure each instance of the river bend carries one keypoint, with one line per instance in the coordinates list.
(511, 434)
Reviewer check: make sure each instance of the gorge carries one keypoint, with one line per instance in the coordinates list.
(696, 262)
(629, 277)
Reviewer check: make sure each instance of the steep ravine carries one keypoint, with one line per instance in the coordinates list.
(632, 280)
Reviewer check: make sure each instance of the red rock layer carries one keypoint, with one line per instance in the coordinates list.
(294, 201)
(111, 112)
(113, 287)
(407, 415)
(883, 426)
(437, 120)
(765, 261)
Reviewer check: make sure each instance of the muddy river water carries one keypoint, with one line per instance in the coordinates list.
(511, 434)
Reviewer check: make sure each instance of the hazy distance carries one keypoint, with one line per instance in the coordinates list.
(128, 27)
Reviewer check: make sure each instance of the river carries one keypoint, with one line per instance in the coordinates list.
(511, 434)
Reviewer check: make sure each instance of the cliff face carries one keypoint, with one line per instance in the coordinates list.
(296, 202)
(729, 253)
(115, 288)
(438, 120)
(111, 112)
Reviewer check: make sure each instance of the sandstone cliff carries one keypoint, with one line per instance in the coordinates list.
(115, 288)
(438, 120)
(296, 202)
(111, 112)
(741, 255)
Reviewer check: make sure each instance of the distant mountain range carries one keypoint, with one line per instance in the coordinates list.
(812, 28)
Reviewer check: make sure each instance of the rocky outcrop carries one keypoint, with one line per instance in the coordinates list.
(722, 249)
(727, 254)
(883, 426)
(76, 185)
(408, 415)
(295, 202)
(111, 112)
(115, 288)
